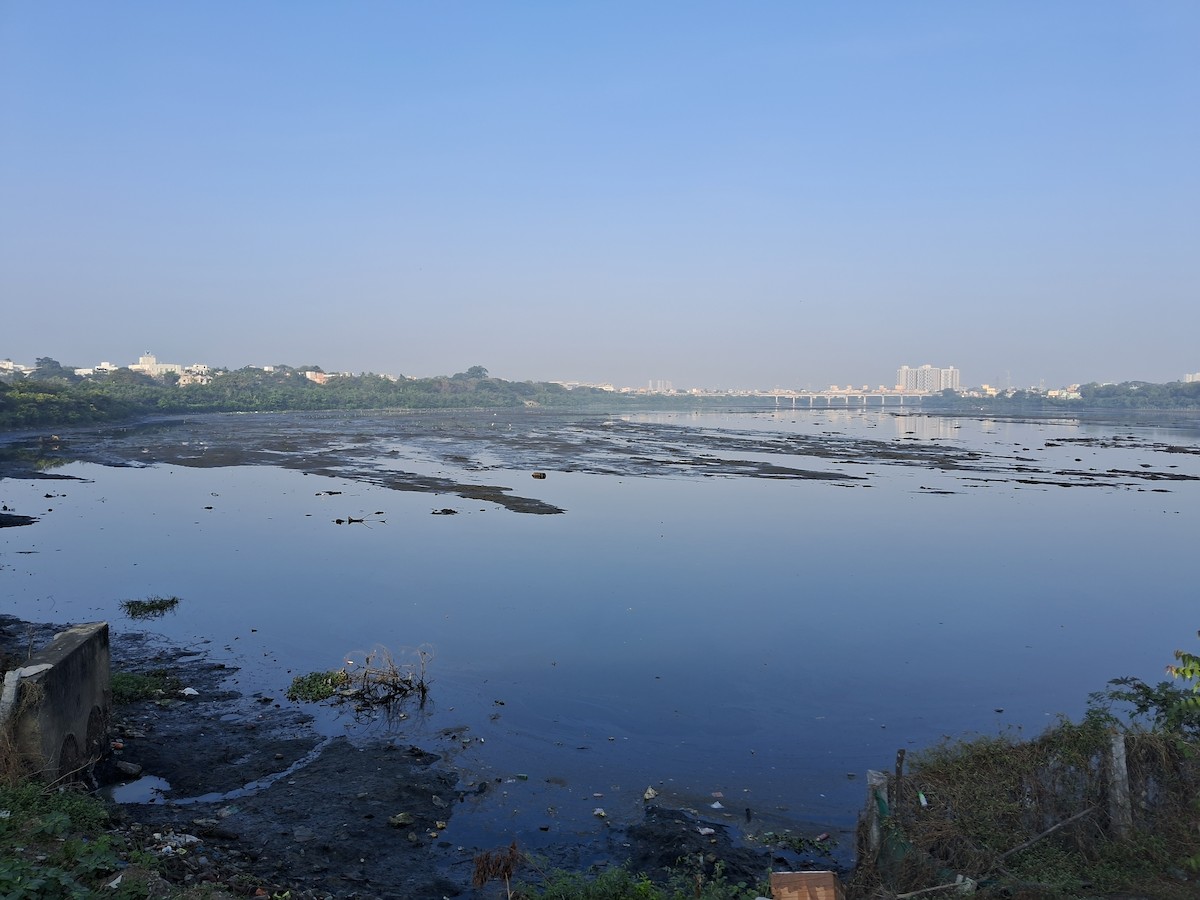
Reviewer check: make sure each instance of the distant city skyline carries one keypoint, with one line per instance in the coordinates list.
(925, 377)
(718, 196)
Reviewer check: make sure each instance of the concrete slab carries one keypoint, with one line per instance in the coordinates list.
(59, 703)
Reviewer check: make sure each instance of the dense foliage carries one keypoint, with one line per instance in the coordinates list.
(1142, 395)
(53, 396)
(60, 401)
(1126, 395)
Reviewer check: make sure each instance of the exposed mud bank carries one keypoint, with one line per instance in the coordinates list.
(472, 454)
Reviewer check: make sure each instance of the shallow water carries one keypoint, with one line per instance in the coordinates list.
(758, 604)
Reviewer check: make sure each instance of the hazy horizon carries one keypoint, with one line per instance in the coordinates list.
(714, 195)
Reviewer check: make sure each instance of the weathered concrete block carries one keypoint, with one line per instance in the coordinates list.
(60, 701)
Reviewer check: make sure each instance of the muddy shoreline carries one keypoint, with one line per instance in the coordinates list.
(242, 791)
(396, 450)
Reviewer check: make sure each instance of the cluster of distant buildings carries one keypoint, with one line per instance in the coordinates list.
(148, 364)
(924, 379)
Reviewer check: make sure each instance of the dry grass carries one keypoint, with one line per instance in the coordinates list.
(1033, 816)
(375, 678)
(16, 766)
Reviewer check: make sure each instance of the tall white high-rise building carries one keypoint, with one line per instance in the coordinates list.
(927, 378)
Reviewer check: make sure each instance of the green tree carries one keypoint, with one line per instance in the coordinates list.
(48, 368)
(1188, 669)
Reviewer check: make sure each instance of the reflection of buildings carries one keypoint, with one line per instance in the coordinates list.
(925, 428)
(927, 378)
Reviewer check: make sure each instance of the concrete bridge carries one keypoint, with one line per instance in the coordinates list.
(846, 397)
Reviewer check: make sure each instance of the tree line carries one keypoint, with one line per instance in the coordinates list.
(1173, 395)
(54, 396)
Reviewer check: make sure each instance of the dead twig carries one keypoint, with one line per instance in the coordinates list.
(950, 885)
(1048, 831)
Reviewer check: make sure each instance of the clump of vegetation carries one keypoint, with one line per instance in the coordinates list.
(1106, 805)
(52, 843)
(317, 686)
(821, 846)
(129, 687)
(619, 883)
(369, 680)
(494, 865)
(150, 608)
(691, 881)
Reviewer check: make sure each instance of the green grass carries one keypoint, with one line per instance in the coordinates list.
(52, 844)
(620, 883)
(129, 687)
(317, 686)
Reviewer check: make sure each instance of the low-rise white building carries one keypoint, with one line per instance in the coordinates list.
(102, 368)
(148, 364)
(8, 367)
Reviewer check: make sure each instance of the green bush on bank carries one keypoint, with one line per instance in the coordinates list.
(52, 843)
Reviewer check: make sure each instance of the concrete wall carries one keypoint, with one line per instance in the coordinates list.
(62, 701)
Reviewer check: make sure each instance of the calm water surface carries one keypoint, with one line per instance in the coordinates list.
(760, 637)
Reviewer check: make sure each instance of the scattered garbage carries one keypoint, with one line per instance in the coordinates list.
(599, 813)
(171, 844)
(650, 794)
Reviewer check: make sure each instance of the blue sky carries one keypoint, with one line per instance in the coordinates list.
(717, 194)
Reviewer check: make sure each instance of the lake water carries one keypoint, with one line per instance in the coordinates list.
(703, 616)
